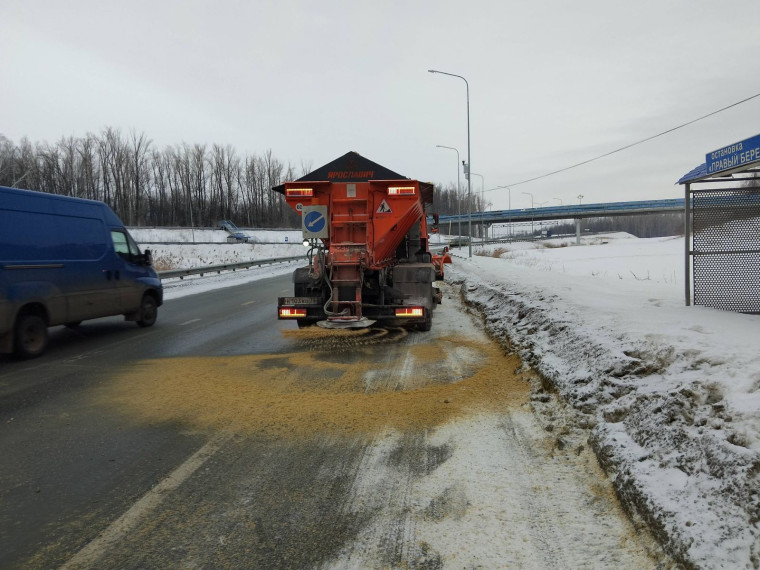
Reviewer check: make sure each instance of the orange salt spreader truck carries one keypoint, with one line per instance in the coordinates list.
(369, 258)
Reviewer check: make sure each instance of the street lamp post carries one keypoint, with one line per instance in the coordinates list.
(541, 222)
(561, 203)
(459, 207)
(482, 202)
(509, 206)
(469, 159)
(532, 213)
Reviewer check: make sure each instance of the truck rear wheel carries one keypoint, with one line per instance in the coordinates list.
(30, 336)
(428, 324)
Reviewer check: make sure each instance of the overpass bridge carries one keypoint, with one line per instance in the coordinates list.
(575, 212)
(569, 212)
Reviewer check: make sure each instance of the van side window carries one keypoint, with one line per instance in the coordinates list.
(124, 245)
(120, 244)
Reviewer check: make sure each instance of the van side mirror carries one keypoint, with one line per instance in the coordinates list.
(148, 257)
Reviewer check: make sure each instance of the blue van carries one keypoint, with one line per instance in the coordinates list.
(65, 260)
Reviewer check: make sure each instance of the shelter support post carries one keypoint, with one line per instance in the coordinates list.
(687, 243)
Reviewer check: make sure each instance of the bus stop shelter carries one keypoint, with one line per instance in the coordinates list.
(722, 229)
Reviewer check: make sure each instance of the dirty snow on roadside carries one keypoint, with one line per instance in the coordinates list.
(667, 395)
(487, 490)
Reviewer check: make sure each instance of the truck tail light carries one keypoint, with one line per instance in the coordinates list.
(299, 192)
(291, 313)
(410, 312)
(401, 191)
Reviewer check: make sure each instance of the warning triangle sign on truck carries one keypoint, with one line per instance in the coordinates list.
(384, 208)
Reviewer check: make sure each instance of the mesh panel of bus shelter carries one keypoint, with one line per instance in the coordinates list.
(726, 249)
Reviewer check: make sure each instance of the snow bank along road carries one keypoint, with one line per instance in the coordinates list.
(223, 438)
(667, 395)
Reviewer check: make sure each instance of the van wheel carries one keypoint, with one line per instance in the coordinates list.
(148, 311)
(30, 336)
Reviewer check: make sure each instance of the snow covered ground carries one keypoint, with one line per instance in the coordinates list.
(667, 395)
(202, 248)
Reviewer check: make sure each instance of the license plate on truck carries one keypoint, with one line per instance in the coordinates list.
(299, 301)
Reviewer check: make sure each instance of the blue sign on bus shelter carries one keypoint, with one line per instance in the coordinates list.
(734, 155)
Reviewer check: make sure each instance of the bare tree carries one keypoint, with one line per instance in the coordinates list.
(138, 174)
(179, 185)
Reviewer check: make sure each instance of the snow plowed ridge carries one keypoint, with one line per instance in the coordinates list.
(658, 424)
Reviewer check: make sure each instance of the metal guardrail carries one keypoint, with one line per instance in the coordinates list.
(170, 273)
(143, 243)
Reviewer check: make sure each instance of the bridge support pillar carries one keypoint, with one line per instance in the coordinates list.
(578, 231)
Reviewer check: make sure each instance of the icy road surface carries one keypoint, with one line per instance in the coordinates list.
(382, 450)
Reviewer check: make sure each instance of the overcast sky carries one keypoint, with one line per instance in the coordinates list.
(551, 82)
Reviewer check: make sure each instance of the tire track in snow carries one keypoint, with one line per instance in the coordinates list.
(485, 491)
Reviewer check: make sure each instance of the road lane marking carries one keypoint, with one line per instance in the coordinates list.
(189, 322)
(82, 356)
(249, 303)
(89, 555)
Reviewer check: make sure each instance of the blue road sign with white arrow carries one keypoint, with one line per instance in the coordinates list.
(314, 222)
